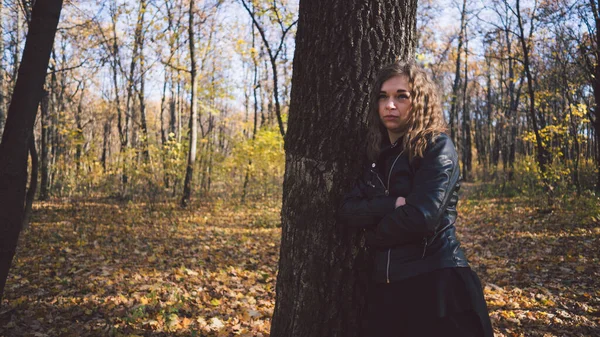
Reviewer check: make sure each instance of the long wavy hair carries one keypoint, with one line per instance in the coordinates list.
(426, 119)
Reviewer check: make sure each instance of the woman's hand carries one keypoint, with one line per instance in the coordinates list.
(401, 201)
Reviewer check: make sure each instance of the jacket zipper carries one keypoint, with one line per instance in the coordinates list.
(381, 181)
(387, 186)
(388, 266)
(387, 189)
(387, 193)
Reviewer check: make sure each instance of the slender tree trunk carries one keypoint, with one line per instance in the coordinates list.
(189, 173)
(106, 144)
(139, 36)
(543, 157)
(17, 50)
(2, 70)
(256, 87)
(130, 113)
(273, 56)
(456, 86)
(340, 45)
(172, 111)
(45, 174)
(115, 67)
(466, 121)
(596, 89)
(80, 137)
(163, 103)
(19, 128)
(33, 176)
(511, 112)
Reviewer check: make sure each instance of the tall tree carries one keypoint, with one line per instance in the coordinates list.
(272, 51)
(2, 111)
(139, 41)
(19, 127)
(591, 55)
(543, 156)
(340, 45)
(189, 172)
(467, 166)
(456, 86)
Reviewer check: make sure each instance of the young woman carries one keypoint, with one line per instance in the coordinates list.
(406, 202)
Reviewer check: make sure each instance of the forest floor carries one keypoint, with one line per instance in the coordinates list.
(103, 268)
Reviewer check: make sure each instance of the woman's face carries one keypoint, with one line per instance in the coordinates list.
(394, 104)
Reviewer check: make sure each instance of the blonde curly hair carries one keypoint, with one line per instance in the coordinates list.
(426, 119)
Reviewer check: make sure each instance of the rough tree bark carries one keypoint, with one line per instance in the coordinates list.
(340, 45)
(19, 127)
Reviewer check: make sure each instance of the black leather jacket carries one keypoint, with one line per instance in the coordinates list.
(418, 237)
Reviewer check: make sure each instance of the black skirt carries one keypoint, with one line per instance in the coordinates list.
(445, 302)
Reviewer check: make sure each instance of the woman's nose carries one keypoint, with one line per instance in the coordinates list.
(390, 104)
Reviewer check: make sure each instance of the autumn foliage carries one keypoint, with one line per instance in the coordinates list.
(105, 268)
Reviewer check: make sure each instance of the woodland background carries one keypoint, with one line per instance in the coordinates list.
(160, 143)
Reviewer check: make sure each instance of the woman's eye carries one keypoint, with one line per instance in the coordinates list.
(402, 97)
(382, 97)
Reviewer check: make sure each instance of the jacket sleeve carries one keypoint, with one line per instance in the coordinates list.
(433, 184)
(365, 205)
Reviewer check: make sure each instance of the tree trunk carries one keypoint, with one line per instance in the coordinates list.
(45, 173)
(273, 55)
(33, 176)
(17, 48)
(106, 144)
(19, 128)
(115, 67)
(139, 37)
(543, 156)
(189, 172)
(596, 88)
(2, 110)
(511, 112)
(466, 120)
(80, 137)
(456, 86)
(340, 45)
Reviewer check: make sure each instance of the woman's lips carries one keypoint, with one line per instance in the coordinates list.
(390, 117)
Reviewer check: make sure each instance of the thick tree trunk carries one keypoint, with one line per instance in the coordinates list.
(19, 128)
(340, 45)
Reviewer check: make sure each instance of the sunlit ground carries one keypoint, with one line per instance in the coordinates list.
(127, 269)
